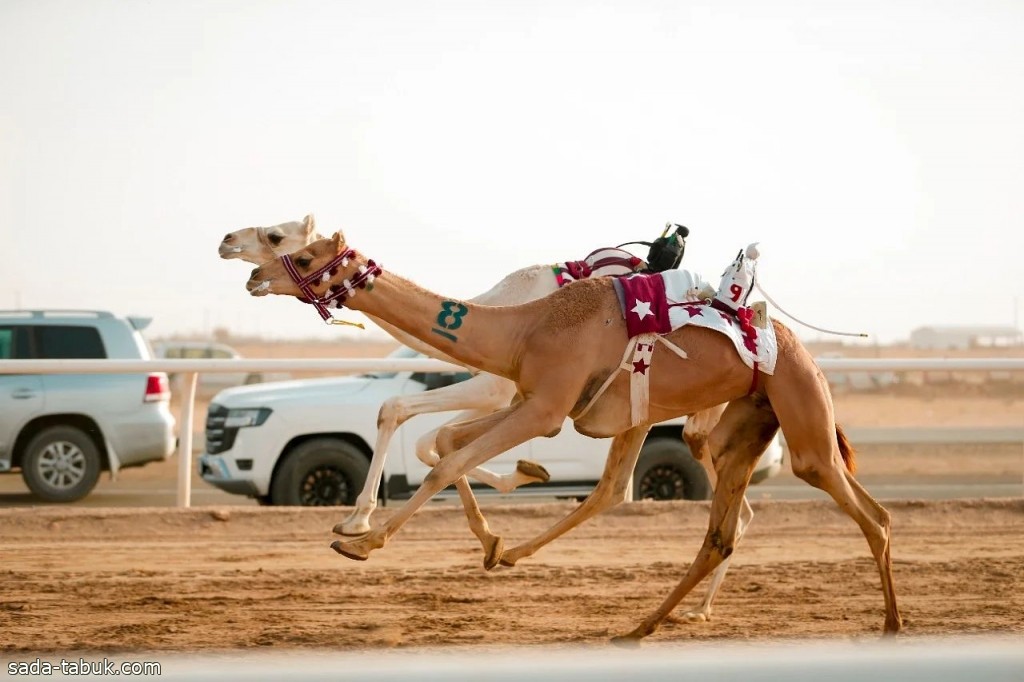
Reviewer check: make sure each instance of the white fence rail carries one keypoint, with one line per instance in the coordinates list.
(342, 366)
(189, 370)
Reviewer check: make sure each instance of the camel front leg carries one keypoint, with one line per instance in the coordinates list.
(702, 613)
(718, 545)
(482, 393)
(449, 439)
(456, 434)
(526, 471)
(741, 435)
(610, 491)
(492, 544)
(499, 432)
(696, 433)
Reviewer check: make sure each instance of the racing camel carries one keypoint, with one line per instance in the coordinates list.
(483, 393)
(538, 346)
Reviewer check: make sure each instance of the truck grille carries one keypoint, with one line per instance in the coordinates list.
(218, 438)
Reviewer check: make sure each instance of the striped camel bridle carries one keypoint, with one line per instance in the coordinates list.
(336, 294)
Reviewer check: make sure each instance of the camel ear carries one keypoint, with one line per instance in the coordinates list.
(339, 241)
(309, 223)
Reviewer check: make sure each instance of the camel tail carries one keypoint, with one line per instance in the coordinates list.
(846, 450)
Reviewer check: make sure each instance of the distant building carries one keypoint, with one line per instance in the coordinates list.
(964, 336)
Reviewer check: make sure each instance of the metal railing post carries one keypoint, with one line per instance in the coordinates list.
(188, 407)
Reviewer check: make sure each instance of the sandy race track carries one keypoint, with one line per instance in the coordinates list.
(203, 579)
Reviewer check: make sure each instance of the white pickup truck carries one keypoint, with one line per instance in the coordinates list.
(309, 442)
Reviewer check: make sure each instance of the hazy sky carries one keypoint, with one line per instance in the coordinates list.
(874, 148)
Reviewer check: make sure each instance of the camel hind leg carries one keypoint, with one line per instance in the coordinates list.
(745, 429)
(820, 455)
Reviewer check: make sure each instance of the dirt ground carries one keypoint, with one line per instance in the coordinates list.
(205, 579)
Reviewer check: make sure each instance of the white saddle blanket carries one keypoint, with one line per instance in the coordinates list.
(652, 306)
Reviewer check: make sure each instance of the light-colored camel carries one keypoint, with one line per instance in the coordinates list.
(481, 395)
(559, 350)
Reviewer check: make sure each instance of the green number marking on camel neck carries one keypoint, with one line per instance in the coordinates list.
(450, 318)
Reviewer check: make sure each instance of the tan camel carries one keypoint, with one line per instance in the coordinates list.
(559, 350)
(481, 395)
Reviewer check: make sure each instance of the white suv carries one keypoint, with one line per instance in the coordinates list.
(62, 430)
(309, 442)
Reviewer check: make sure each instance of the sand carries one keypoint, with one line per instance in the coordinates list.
(209, 579)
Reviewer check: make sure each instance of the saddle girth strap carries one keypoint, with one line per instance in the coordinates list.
(642, 349)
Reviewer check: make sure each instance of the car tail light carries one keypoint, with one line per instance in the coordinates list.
(157, 388)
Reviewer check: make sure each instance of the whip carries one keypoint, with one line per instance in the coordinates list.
(799, 321)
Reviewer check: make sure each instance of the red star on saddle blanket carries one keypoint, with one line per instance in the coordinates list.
(694, 310)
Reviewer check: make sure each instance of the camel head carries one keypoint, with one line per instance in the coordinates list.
(260, 244)
(273, 277)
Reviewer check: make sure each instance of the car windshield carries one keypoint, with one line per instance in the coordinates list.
(400, 352)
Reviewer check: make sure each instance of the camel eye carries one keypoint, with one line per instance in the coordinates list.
(303, 261)
(275, 239)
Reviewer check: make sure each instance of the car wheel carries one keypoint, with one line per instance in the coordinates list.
(253, 379)
(320, 473)
(61, 464)
(667, 471)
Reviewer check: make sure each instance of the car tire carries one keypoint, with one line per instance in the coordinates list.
(320, 472)
(61, 464)
(667, 471)
(253, 379)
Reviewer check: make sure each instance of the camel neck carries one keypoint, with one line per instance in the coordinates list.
(484, 337)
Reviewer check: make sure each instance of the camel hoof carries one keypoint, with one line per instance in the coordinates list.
(630, 641)
(339, 529)
(339, 547)
(493, 554)
(688, 617)
(533, 470)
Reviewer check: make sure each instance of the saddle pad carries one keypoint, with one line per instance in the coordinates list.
(608, 262)
(663, 302)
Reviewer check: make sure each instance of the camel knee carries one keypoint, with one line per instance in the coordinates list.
(885, 519)
(443, 474)
(879, 536)
(807, 471)
(698, 444)
(426, 448)
(447, 441)
(722, 542)
(392, 412)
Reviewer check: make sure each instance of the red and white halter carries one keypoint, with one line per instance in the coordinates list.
(337, 294)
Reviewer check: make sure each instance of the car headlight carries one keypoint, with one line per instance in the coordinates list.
(246, 416)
